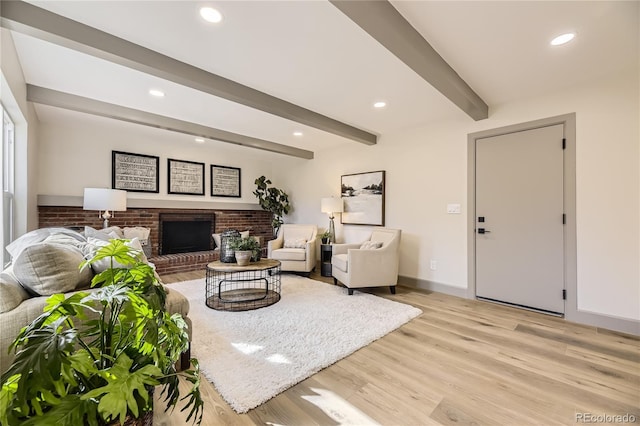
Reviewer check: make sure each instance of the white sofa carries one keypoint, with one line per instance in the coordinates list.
(371, 263)
(295, 248)
(48, 265)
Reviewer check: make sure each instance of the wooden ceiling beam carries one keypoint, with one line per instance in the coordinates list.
(386, 25)
(40, 23)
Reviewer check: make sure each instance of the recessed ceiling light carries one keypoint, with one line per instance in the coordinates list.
(210, 14)
(297, 133)
(562, 39)
(380, 104)
(157, 93)
(199, 140)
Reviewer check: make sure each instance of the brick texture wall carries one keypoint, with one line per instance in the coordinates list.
(257, 221)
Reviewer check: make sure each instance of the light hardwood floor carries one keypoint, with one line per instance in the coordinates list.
(460, 362)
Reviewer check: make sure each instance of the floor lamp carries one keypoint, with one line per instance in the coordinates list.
(103, 199)
(331, 205)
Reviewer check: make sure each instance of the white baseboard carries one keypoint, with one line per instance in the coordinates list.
(623, 325)
(432, 286)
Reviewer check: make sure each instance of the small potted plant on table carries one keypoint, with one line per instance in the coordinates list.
(95, 357)
(325, 237)
(245, 249)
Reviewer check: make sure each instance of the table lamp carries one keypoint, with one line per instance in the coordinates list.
(331, 205)
(103, 199)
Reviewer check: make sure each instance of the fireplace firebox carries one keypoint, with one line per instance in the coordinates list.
(185, 233)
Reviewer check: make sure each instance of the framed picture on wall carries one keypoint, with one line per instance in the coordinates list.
(185, 177)
(135, 172)
(363, 198)
(225, 181)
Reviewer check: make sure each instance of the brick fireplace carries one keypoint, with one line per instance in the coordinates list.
(257, 221)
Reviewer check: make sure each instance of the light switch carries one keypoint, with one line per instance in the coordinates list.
(453, 209)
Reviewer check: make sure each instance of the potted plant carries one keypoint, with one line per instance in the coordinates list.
(245, 249)
(94, 357)
(273, 200)
(326, 235)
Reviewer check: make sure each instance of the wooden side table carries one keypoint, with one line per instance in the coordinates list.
(326, 250)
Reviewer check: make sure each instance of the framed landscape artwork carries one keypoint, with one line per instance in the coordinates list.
(363, 198)
(185, 177)
(225, 181)
(135, 172)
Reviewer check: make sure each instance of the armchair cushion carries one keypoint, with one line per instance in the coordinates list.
(289, 254)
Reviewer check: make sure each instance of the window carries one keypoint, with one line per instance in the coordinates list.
(7, 210)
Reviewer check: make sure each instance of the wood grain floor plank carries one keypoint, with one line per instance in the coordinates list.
(462, 361)
(627, 353)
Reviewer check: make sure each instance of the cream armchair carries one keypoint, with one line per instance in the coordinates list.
(295, 248)
(356, 266)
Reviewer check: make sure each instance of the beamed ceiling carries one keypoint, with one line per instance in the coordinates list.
(272, 68)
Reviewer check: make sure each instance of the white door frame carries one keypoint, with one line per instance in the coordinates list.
(570, 262)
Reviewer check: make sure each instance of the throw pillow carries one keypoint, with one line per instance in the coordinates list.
(371, 245)
(11, 292)
(105, 234)
(38, 236)
(216, 238)
(67, 240)
(94, 244)
(295, 243)
(45, 268)
(138, 232)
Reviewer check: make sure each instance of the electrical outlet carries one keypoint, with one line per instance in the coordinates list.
(434, 264)
(453, 209)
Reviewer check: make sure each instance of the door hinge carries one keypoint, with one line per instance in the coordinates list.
(564, 143)
(564, 219)
(564, 294)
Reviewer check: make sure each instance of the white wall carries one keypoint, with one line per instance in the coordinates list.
(13, 95)
(78, 156)
(426, 168)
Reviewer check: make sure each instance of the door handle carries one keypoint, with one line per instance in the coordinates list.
(483, 231)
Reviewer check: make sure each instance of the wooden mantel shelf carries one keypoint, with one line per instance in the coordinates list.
(151, 203)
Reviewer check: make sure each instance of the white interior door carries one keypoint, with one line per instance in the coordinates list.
(519, 218)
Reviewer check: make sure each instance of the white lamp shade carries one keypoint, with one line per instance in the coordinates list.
(105, 199)
(331, 205)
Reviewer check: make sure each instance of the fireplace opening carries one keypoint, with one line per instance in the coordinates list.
(185, 234)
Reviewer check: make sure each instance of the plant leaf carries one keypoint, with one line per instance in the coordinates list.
(72, 410)
(117, 396)
(8, 390)
(40, 358)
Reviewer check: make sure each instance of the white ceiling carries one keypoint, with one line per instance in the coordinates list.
(311, 54)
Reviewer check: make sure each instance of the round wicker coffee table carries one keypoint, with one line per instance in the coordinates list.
(231, 287)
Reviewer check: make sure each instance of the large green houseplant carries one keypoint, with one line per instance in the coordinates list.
(94, 358)
(273, 200)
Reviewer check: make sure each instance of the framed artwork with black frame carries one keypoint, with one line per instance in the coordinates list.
(225, 181)
(185, 177)
(363, 198)
(135, 172)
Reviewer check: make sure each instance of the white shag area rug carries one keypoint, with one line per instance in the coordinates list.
(252, 356)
